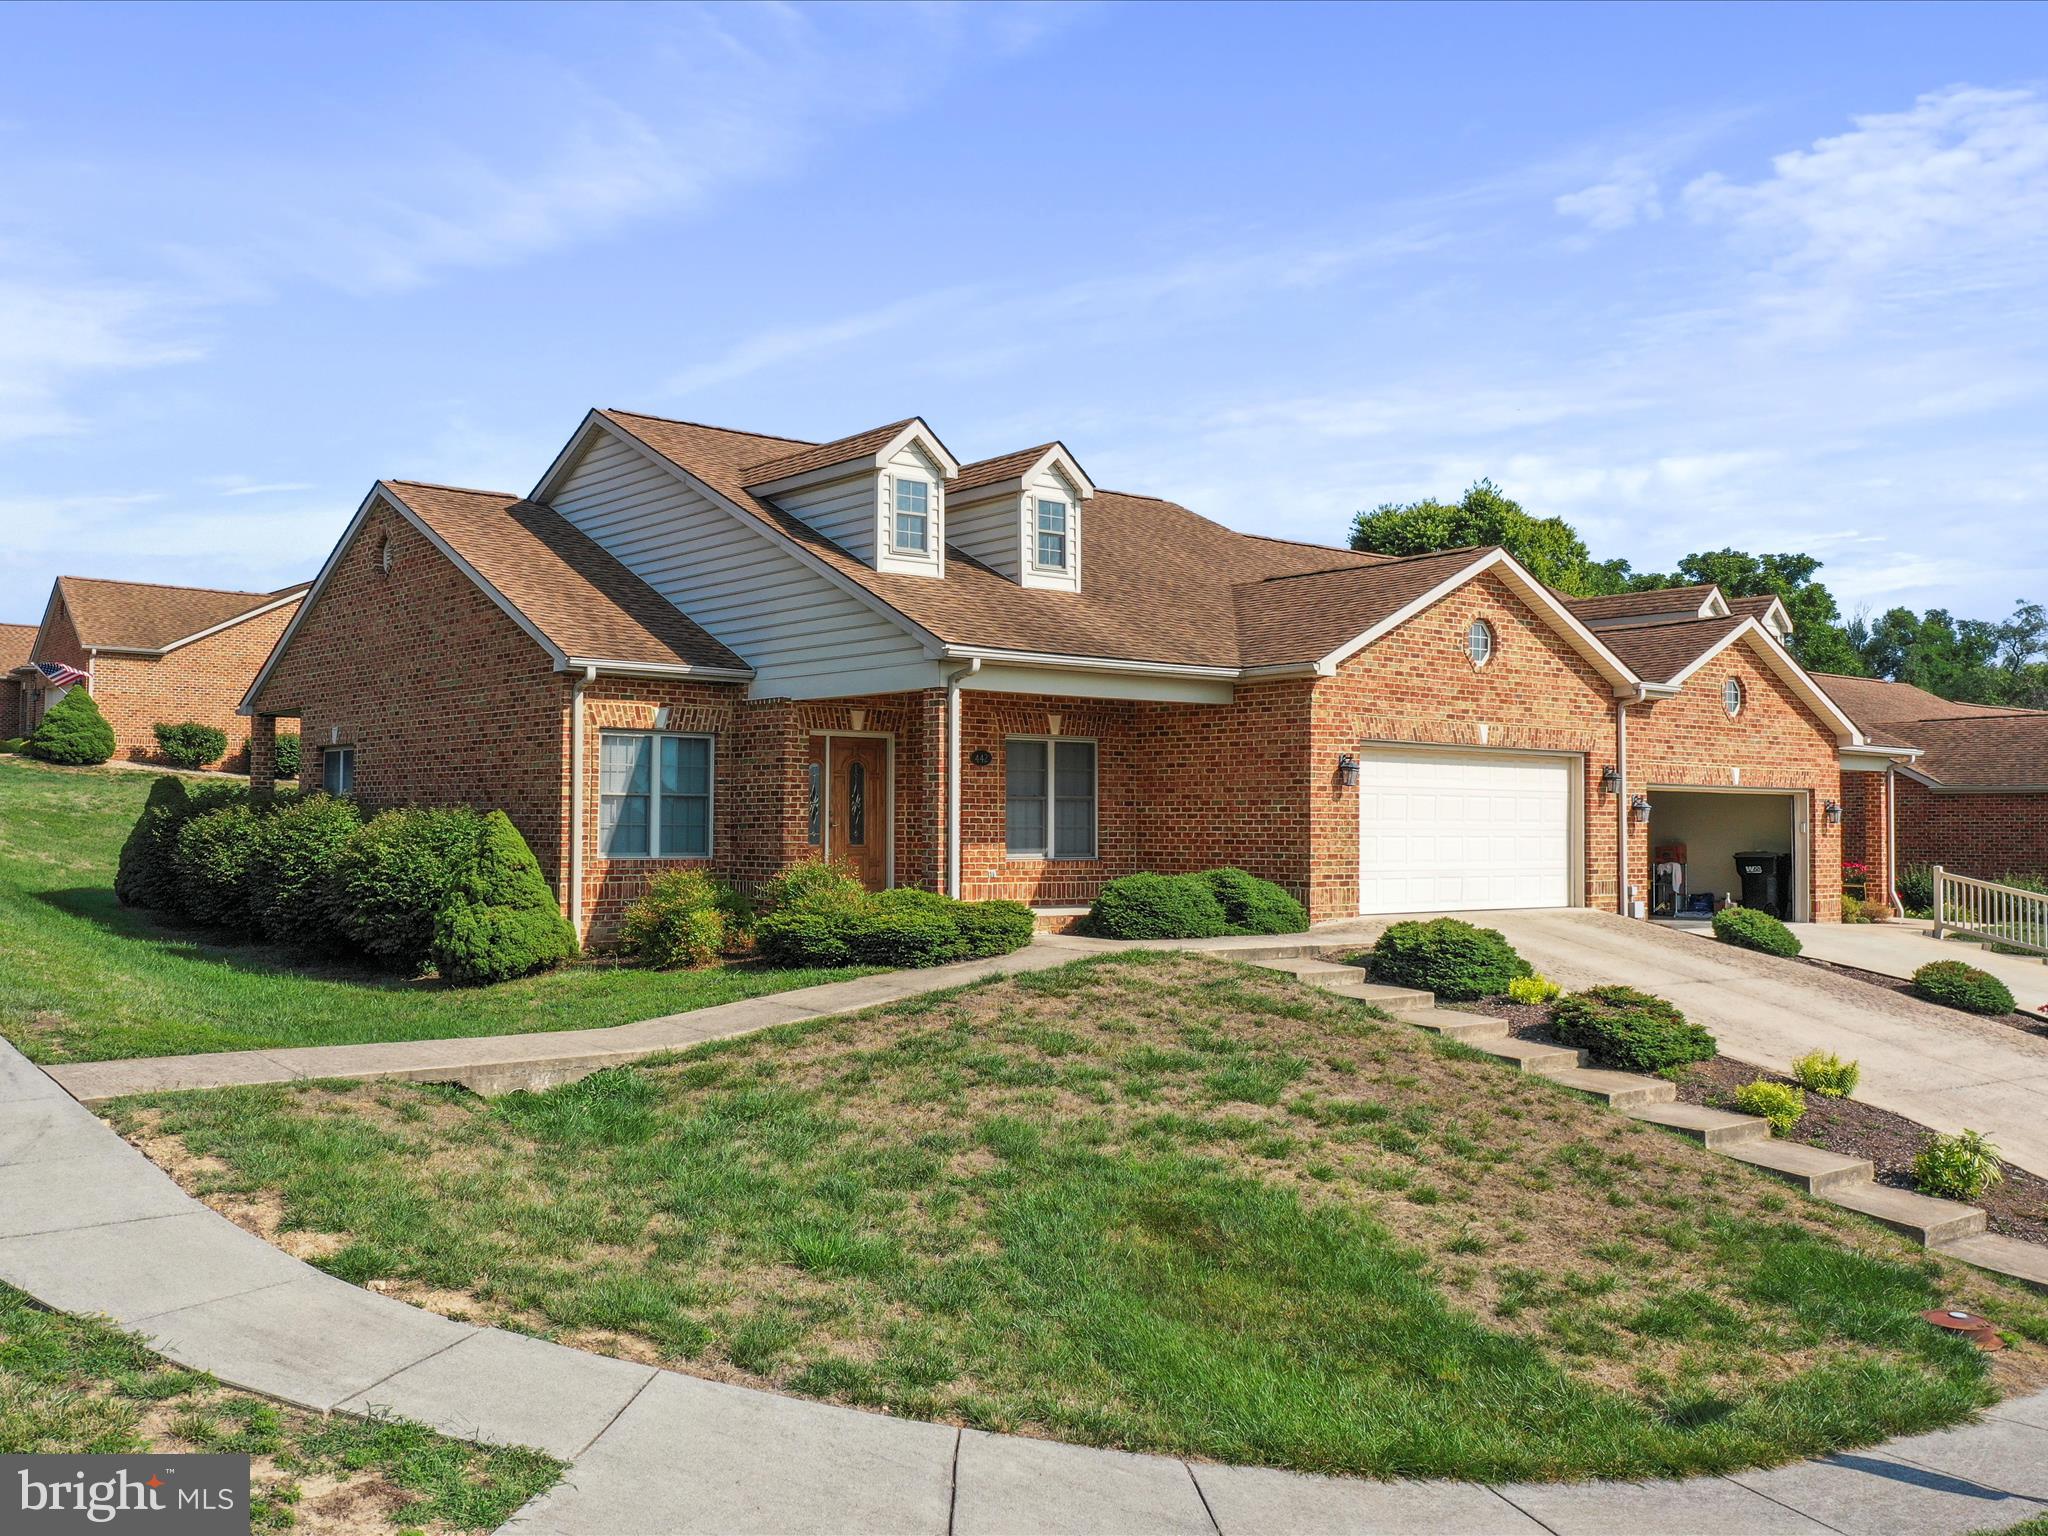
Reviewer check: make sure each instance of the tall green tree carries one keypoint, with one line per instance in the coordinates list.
(1977, 661)
(1549, 546)
(1819, 639)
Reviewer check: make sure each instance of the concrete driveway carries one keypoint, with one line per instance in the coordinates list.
(1900, 949)
(1942, 1068)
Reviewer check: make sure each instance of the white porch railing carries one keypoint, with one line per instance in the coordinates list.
(2003, 914)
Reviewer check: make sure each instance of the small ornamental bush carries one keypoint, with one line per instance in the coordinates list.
(686, 918)
(1629, 1030)
(74, 732)
(1916, 887)
(842, 924)
(1852, 910)
(1748, 928)
(501, 919)
(1958, 1167)
(819, 930)
(1825, 1073)
(800, 882)
(1877, 911)
(1537, 989)
(1779, 1103)
(13, 744)
(190, 745)
(287, 753)
(993, 927)
(301, 840)
(216, 853)
(393, 879)
(907, 928)
(1252, 905)
(1953, 984)
(1148, 906)
(147, 875)
(1453, 959)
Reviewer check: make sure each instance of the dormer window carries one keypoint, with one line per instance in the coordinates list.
(913, 526)
(1052, 534)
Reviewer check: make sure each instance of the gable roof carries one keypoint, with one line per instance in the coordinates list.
(1650, 604)
(17, 644)
(843, 450)
(1314, 613)
(1004, 466)
(1759, 608)
(1962, 746)
(1659, 653)
(148, 616)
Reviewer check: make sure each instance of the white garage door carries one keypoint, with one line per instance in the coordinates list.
(1460, 832)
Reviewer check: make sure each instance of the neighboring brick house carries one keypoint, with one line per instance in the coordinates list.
(690, 645)
(1970, 791)
(17, 642)
(154, 654)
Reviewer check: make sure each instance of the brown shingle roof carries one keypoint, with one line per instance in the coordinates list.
(1004, 466)
(1750, 607)
(841, 450)
(585, 602)
(1630, 605)
(1873, 701)
(17, 641)
(1307, 616)
(1961, 745)
(146, 616)
(1159, 582)
(1659, 652)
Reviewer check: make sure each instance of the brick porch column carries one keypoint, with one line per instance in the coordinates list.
(263, 754)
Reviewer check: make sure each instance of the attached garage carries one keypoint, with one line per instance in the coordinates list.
(1466, 831)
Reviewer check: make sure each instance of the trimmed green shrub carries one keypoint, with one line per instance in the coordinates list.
(1825, 1073)
(13, 744)
(820, 930)
(1958, 1167)
(301, 843)
(1953, 984)
(1453, 959)
(2038, 884)
(993, 927)
(686, 918)
(1877, 912)
(147, 875)
(1630, 1031)
(1148, 906)
(190, 745)
(1252, 905)
(393, 879)
(501, 919)
(216, 853)
(1747, 928)
(1916, 887)
(1779, 1103)
(74, 732)
(800, 882)
(287, 753)
(835, 925)
(908, 928)
(1852, 910)
(1536, 989)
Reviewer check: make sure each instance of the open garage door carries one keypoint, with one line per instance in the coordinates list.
(1463, 831)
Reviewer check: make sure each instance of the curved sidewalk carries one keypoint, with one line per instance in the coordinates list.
(88, 1224)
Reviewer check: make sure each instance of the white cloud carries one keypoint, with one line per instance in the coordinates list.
(243, 485)
(55, 334)
(1628, 197)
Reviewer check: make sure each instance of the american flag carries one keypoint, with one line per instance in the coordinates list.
(60, 676)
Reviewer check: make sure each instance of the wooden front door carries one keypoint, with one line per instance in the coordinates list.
(856, 774)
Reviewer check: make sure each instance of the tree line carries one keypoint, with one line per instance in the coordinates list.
(1978, 661)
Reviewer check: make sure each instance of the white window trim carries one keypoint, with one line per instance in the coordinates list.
(1479, 663)
(337, 752)
(654, 798)
(930, 514)
(1741, 697)
(1046, 855)
(1066, 567)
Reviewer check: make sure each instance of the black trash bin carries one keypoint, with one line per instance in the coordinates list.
(1766, 881)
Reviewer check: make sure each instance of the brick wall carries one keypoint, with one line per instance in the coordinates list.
(1864, 839)
(1981, 835)
(10, 709)
(1776, 743)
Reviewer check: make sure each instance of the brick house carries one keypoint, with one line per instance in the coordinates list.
(1970, 787)
(154, 654)
(17, 643)
(689, 645)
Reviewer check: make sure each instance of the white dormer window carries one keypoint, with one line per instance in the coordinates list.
(912, 532)
(1052, 534)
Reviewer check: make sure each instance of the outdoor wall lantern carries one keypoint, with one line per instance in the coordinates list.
(1347, 770)
(1639, 808)
(1610, 780)
(1833, 812)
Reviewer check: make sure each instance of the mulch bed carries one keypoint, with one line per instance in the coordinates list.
(2027, 1023)
(2017, 1205)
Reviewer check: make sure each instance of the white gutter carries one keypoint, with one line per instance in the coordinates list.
(591, 666)
(1621, 805)
(953, 775)
(588, 676)
(977, 655)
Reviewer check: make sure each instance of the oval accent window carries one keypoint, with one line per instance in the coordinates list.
(1479, 642)
(1731, 697)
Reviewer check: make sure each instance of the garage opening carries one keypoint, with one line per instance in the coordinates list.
(1711, 847)
(1446, 831)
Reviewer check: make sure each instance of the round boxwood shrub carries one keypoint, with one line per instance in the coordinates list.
(686, 918)
(1748, 928)
(1148, 906)
(216, 853)
(287, 754)
(1953, 984)
(816, 931)
(393, 879)
(190, 745)
(993, 927)
(301, 843)
(907, 928)
(74, 732)
(1453, 959)
(1252, 905)
(1630, 1031)
(501, 919)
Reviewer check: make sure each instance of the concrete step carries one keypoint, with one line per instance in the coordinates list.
(1813, 1169)
(1309, 967)
(1927, 1220)
(1461, 1026)
(2025, 1262)
(1717, 1129)
(1532, 1055)
(1619, 1089)
(1403, 1002)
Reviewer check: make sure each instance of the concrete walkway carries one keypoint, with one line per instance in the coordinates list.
(87, 1224)
(1899, 949)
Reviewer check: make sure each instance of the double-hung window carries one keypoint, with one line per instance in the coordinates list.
(1049, 797)
(654, 796)
(1052, 534)
(338, 770)
(912, 533)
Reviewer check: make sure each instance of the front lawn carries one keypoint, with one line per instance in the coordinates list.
(84, 979)
(74, 1386)
(1152, 1201)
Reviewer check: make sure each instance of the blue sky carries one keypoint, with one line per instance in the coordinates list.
(1770, 277)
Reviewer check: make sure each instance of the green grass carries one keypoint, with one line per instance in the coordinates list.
(1152, 1201)
(84, 979)
(73, 1385)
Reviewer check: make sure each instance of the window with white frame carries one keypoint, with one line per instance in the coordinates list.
(1049, 797)
(654, 796)
(1052, 534)
(912, 532)
(338, 770)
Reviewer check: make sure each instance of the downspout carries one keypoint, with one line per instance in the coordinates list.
(953, 774)
(588, 677)
(1621, 799)
(1891, 838)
